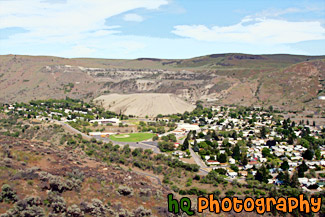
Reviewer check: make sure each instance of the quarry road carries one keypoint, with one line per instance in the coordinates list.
(152, 176)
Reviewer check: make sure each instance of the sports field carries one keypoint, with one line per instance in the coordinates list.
(132, 137)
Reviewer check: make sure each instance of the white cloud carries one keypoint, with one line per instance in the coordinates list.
(133, 17)
(105, 32)
(67, 21)
(255, 31)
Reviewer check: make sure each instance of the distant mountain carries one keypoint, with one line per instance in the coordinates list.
(285, 81)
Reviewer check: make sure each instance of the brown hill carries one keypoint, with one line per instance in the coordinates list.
(287, 81)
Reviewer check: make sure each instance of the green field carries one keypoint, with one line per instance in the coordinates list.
(132, 137)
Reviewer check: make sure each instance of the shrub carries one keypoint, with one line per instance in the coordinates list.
(96, 208)
(145, 192)
(57, 202)
(125, 191)
(27, 207)
(59, 184)
(8, 194)
(230, 193)
(76, 174)
(141, 211)
(175, 188)
(74, 211)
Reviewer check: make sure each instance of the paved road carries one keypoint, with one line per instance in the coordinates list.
(71, 129)
(144, 145)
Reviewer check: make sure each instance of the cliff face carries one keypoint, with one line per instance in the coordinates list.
(283, 80)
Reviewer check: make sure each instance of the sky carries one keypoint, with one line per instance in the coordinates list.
(128, 29)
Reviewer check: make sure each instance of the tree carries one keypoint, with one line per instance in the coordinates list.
(284, 177)
(263, 132)
(318, 154)
(244, 159)
(185, 144)
(155, 138)
(234, 167)
(165, 146)
(302, 169)
(214, 135)
(266, 152)
(285, 165)
(236, 152)
(222, 158)
(304, 142)
(262, 174)
(196, 148)
(308, 154)
(294, 183)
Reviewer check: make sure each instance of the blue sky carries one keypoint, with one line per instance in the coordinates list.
(161, 28)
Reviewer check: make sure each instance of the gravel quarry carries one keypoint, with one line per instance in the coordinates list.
(144, 104)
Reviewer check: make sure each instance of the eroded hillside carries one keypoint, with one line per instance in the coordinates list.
(287, 81)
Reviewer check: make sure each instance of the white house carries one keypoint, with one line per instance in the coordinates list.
(232, 161)
(106, 121)
(232, 174)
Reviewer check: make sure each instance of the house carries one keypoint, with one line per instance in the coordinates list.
(263, 160)
(248, 166)
(188, 127)
(232, 174)
(243, 173)
(303, 181)
(100, 133)
(180, 154)
(213, 162)
(296, 158)
(176, 145)
(232, 161)
(106, 121)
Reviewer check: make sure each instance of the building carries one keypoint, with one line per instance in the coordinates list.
(232, 174)
(106, 121)
(188, 127)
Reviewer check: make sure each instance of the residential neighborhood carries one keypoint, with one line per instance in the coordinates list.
(247, 143)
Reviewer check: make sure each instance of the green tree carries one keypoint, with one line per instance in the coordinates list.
(318, 154)
(302, 168)
(244, 159)
(236, 152)
(222, 158)
(285, 165)
(304, 142)
(294, 182)
(262, 174)
(308, 154)
(185, 144)
(266, 152)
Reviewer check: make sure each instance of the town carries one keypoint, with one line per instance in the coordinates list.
(239, 143)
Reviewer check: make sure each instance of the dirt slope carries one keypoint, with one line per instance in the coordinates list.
(144, 104)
